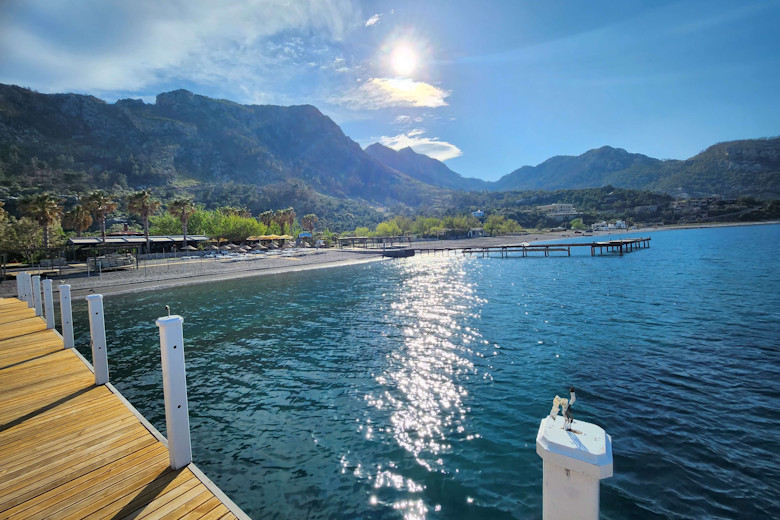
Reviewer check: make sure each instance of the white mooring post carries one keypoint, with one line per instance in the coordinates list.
(66, 314)
(97, 330)
(177, 421)
(22, 278)
(27, 287)
(19, 294)
(576, 455)
(48, 303)
(36, 289)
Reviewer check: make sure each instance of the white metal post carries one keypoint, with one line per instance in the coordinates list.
(36, 289)
(19, 286)
(97, 330)
(48, 303)
(177, 420)
(66, 313)
(27, 283)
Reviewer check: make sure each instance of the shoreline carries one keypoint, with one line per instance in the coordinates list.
(167, 274)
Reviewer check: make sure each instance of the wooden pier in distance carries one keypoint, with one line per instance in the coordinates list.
(620, 246)
(72, 450)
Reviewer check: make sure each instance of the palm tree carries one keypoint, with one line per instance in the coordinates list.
(100, 204)
(142, 204)
(309, 221)
(77, 219)
(183, 209)
(290, 219)
(280, 217)
(45, 210)
(266, 217)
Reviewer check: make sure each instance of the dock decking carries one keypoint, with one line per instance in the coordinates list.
(525, 249)
(72, 450)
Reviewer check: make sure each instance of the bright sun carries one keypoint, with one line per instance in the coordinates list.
(404, 60)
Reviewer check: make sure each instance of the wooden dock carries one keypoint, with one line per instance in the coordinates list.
(525, 249)
(72, 450)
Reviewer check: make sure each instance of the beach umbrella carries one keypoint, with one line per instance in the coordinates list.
(232, 246)
(189, 248)
(272, 245)
(224, 248)
(212, 247)
(258, 247)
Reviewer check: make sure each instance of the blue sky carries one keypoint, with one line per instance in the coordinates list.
(487, 87)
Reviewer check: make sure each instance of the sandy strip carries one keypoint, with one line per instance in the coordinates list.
(177, 272)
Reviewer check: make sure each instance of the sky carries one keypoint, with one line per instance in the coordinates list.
(486, 87)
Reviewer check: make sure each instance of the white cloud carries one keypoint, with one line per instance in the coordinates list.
(378, 93)
(373, 20)
(430, 146)
(127, 45)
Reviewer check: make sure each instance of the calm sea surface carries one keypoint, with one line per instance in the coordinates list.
(415, 388)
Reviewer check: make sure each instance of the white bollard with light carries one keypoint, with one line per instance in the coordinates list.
(97, 331)
(48, 303)
(66, 315)
(576, 455)
(177, 421)
(36, 294)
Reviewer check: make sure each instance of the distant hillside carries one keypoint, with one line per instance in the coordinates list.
(73, 143)
(749, 167)
(269, 157)
(424, 168)
(589, 170)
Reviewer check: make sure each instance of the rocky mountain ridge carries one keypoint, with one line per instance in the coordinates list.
(261, 156)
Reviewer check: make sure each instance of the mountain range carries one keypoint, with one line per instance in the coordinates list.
(265, 156)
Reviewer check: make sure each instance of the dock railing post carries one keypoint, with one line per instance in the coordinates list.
(19, 294)
(576, 457)
(27, 289)
(48, 303)
(36, 294)
(177, 421)
(66, 315)
(97, 331)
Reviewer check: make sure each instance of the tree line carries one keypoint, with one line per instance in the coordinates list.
(43, 221)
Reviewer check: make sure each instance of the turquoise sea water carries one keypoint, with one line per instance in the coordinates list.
(414, 388)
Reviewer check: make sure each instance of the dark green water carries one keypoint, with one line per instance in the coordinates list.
(414, 388)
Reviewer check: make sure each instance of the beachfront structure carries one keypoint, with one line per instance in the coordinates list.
(128, 242)
(603, 226)
(558, 211)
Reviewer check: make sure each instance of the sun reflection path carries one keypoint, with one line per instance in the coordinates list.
(423, 382)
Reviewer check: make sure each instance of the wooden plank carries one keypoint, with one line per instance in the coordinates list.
(35, 452)
(46, 419)
(175, 501)
(15, 350)
(120, 505)
(21, 327)
(46, 504)
(40, 481)
(163, 499)
(18, 404)
(96, 491)
(203, 509)
(63, 428)
(16, 315)
(48, 467)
